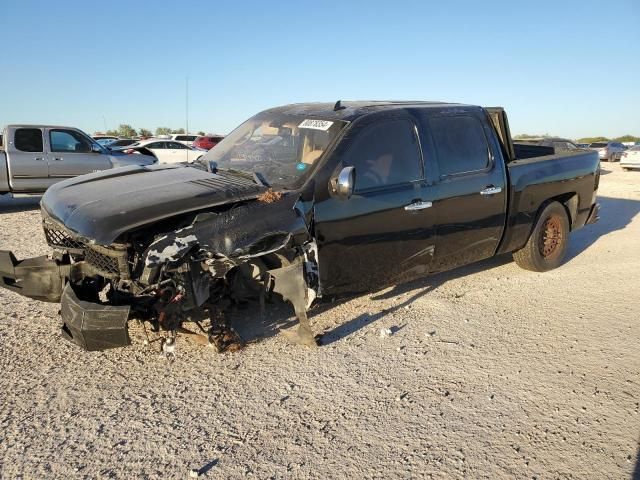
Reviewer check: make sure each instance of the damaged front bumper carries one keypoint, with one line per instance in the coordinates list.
(93, 326)
(90, 325)
(40, 278)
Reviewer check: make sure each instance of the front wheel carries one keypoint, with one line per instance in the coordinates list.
(548, 242)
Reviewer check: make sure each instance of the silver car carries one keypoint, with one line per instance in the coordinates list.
(609, 151)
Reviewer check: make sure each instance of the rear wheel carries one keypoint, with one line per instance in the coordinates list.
(548, 242)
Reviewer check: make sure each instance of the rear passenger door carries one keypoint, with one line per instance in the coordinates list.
(179, 152)
(384, 233)
(27, 160)
(159, 149)
(470, 194)
(71, 154)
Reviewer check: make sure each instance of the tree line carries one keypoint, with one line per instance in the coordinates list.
(623, 138)
(127, 131)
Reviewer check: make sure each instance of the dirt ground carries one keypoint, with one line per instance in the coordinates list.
(491, 372)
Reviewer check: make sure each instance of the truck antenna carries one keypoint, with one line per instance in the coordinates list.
(338, 106)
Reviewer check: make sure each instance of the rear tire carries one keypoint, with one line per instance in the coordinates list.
(548, 242)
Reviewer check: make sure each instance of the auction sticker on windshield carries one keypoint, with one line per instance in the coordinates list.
(323, 125)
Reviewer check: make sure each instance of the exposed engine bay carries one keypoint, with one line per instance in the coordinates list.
(205, 264)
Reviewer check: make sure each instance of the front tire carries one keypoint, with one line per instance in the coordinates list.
(548, 242)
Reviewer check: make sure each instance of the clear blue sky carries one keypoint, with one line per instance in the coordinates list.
(569, 68)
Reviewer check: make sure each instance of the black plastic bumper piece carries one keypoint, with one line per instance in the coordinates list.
(40, 278)
(93, 326)
(594, 215)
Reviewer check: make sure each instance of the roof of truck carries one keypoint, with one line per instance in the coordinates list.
(40, 126)
(350, 110)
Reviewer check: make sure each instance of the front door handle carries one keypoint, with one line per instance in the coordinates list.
(418, 206)
(58, 159)
(39, 159)
(490, 190)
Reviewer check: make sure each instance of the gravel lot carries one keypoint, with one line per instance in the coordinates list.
(491, 371)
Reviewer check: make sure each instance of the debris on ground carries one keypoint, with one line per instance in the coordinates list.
(385, 332)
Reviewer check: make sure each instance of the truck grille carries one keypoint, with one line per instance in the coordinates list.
(58, 238)
(107, 262)
(107, 265)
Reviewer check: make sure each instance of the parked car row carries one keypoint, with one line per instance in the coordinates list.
(166, 151)
(203, 142)
(609, 151)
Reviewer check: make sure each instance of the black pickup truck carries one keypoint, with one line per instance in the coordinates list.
(305, 201)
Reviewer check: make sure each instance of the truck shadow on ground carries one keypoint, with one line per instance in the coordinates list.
(615, 215)
(10, 204)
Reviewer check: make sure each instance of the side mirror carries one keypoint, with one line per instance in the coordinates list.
(342, 186)
(95, 148)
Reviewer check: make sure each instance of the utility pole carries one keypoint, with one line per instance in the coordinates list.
(187, 105)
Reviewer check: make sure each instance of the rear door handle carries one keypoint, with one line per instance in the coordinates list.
(58, 159)
(490, 190)
(39, 159)
(418, 206)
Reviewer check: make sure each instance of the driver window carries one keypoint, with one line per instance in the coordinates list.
(68, 141)
(386, 153)
(176, 145)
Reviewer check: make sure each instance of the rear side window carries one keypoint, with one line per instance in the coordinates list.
(461, 144)
(385, 153)
(186, 138)
(29, 140)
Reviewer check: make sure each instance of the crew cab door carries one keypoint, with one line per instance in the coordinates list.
(384, 233)
(27, 160)
(71, 154)
(469, 197)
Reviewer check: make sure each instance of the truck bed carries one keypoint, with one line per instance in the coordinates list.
(524, 150)
(568, 177)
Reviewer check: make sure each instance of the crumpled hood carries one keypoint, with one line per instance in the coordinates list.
(101, 206)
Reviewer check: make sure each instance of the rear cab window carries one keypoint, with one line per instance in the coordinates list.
(28, 140)
(460, 143)
(385, 153)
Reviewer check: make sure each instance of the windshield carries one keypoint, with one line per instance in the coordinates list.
(281, 148)
(598, 145)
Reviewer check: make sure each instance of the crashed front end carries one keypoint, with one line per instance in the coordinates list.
(190, 269)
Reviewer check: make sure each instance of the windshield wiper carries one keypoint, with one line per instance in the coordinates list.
(259, 179)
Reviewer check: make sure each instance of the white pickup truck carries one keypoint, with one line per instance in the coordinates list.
(34, 157)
